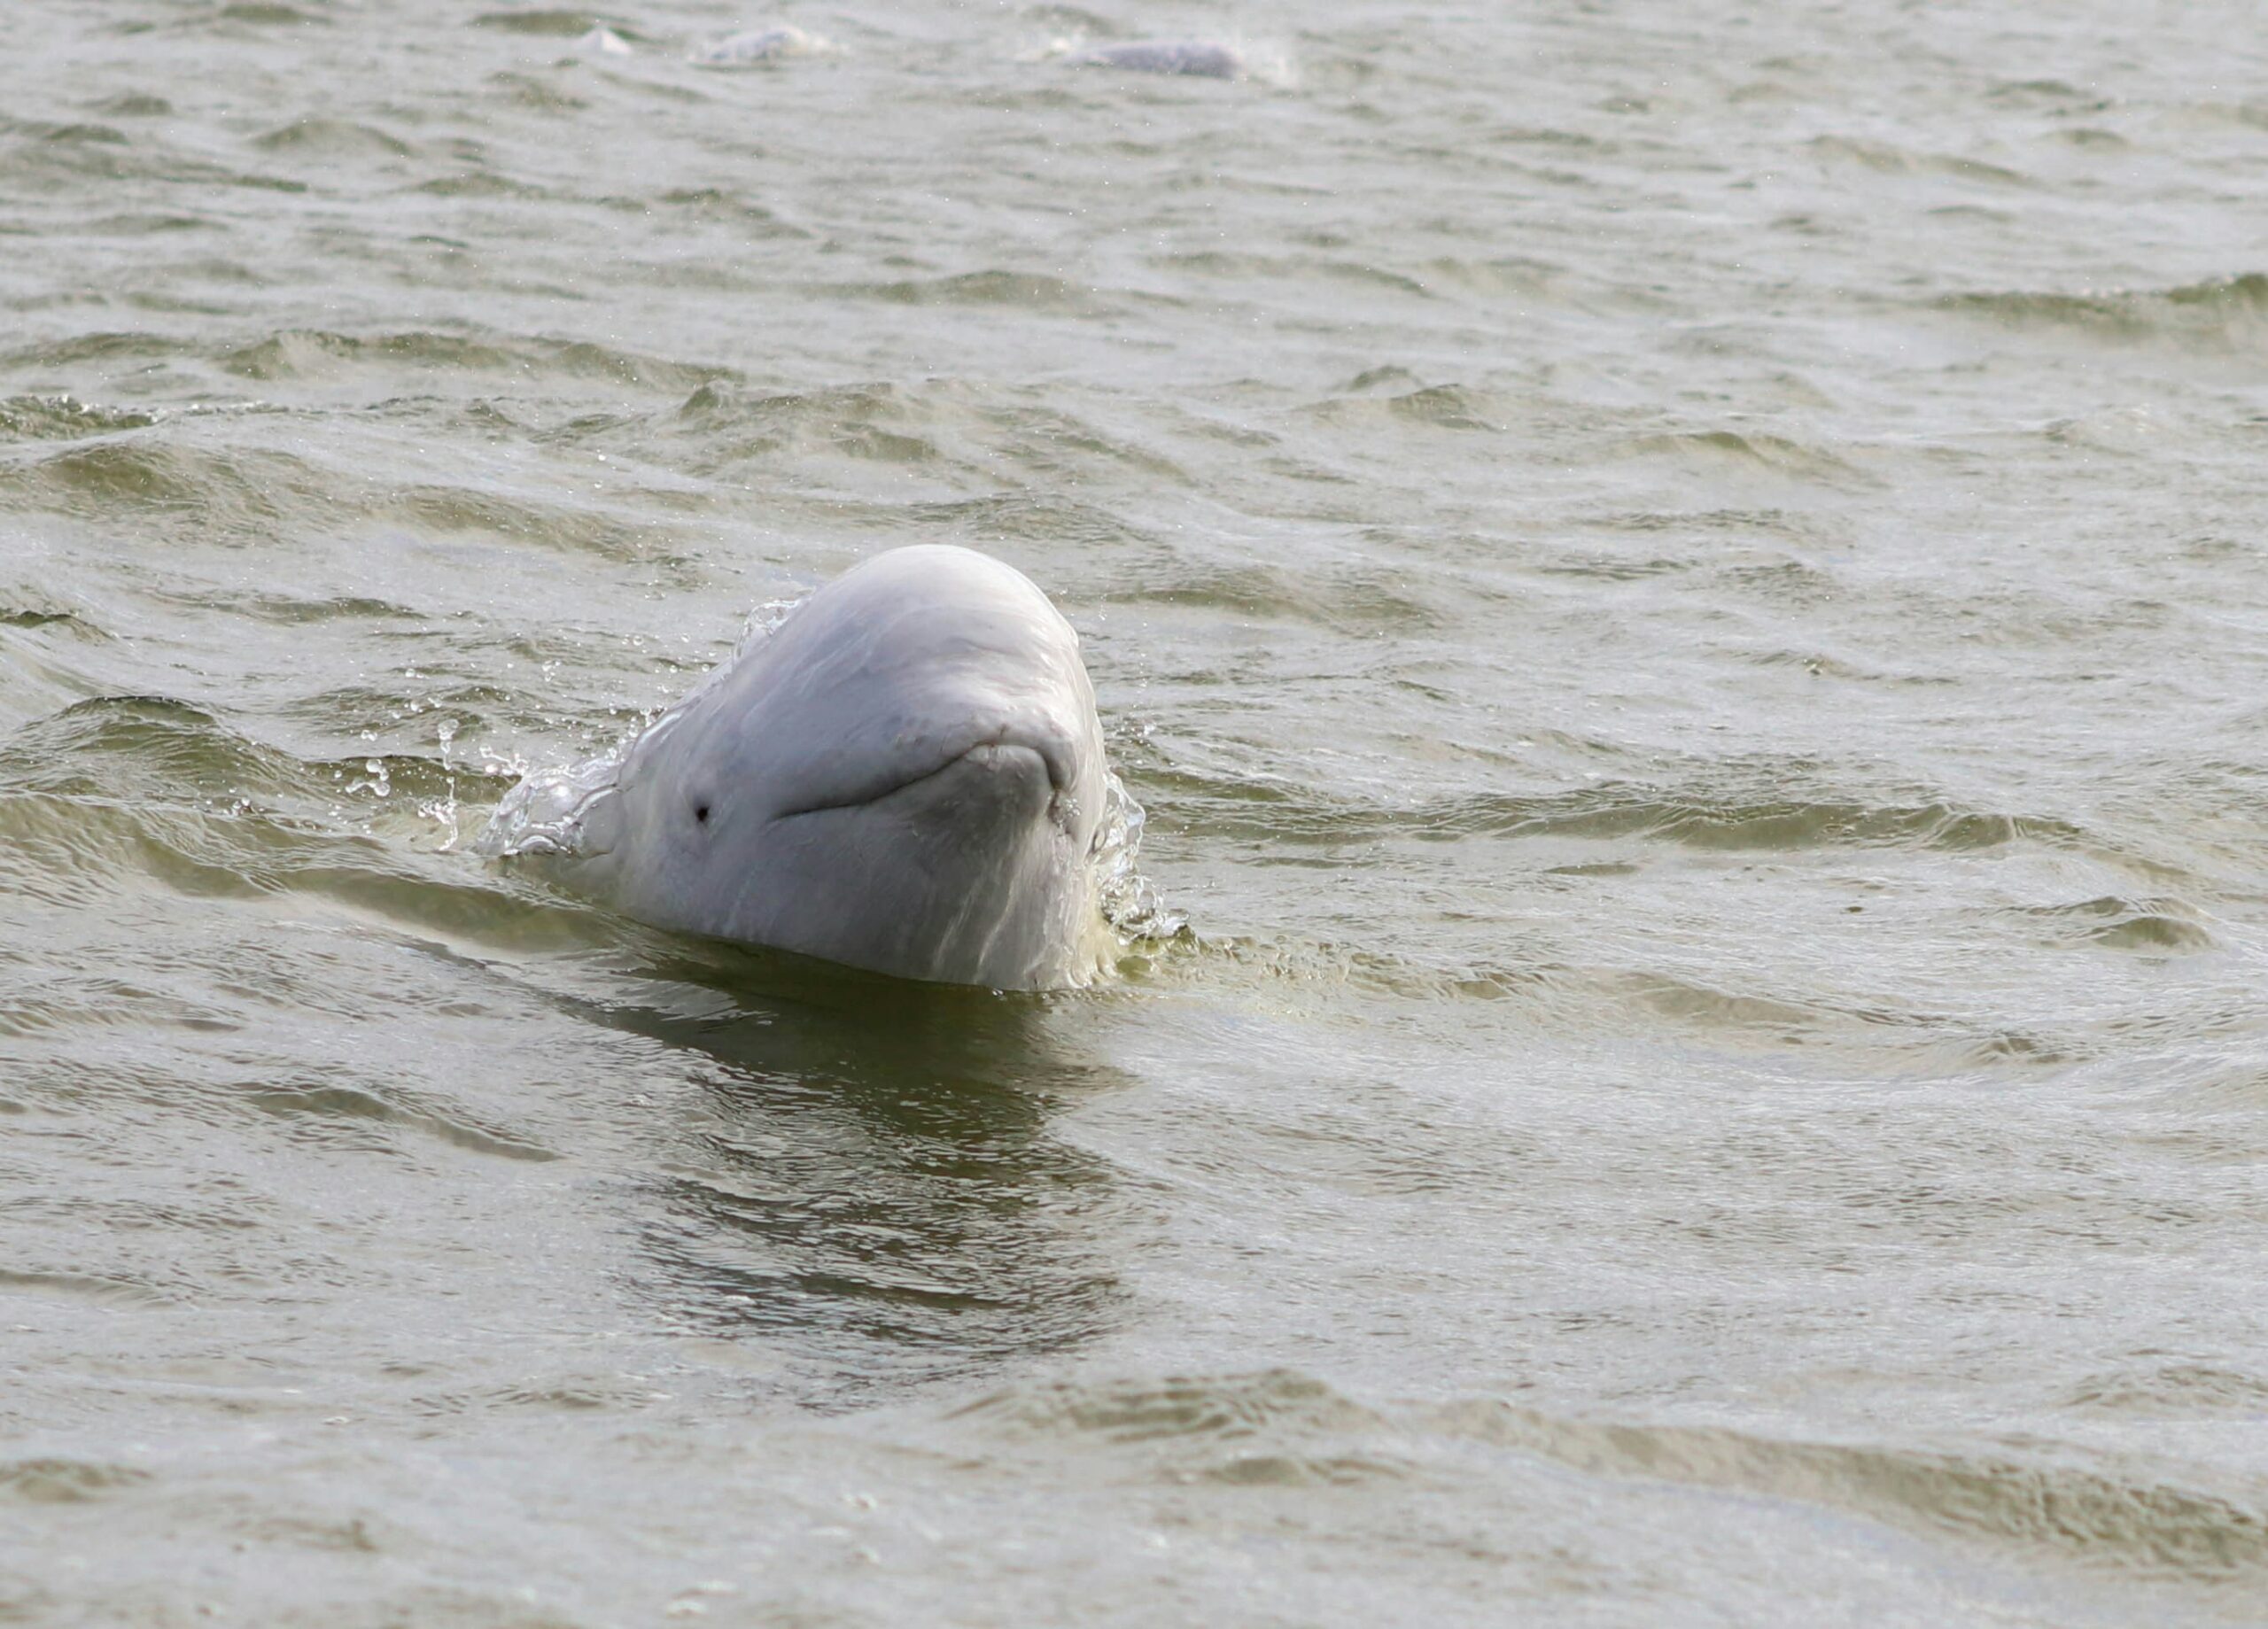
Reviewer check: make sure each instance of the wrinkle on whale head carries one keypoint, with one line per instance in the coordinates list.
(906, 775)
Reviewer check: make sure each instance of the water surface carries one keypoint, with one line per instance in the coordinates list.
(1683, 591)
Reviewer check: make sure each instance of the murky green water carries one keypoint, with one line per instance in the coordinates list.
(1684, 589)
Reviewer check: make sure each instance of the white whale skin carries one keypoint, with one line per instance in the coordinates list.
(905, 776)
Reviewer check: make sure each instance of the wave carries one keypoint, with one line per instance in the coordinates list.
(1438, 406)
(250, 495)
(66, 418)
(2103, 1517)
(1698, 817)
(1886, 158)
(549, 22)
(1360, 602)
(332, 139)
(107, 794)
(314, 353)
(964, 431)
(2036, 1502)
(2216, 310)
(1024, 291)
(1753, 453)
(1277, 1427)
(2156, 926)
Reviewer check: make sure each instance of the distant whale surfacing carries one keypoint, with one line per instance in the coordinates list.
(906, 775)
(1188, 58)
(755, 45)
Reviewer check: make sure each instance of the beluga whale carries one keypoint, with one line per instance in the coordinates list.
(1184, 58)
(905, 774)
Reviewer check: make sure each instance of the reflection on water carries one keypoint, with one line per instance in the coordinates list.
(876, 1183)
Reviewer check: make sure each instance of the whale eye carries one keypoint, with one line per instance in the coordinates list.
(701, 813)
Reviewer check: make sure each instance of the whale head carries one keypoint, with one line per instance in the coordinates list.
(906, 775)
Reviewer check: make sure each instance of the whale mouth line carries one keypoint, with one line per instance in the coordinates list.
(997, 748)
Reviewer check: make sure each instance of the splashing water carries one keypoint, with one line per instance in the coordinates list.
(1129, 904)
(546, 812)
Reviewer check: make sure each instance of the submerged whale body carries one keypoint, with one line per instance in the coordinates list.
(906, 775)
(1185, 59)
(755, 45)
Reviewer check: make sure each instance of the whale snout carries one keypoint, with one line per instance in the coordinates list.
(1001, 770)
(1014, 783)
(1048, 759)
(1055, 743)
(979, 863)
